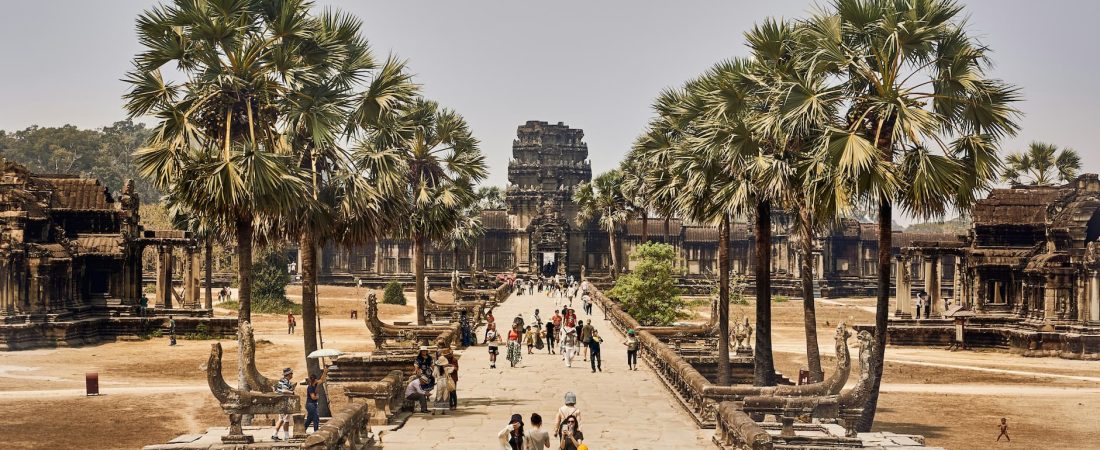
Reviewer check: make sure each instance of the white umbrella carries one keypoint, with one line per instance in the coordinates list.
(325, 353)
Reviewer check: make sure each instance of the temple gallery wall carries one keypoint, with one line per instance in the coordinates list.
(1025, 277)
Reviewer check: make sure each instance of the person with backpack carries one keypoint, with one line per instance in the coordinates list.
(585, 335)
(550, 337)
(594, 350)
(493, 341)
(565, 413)
(631, 350)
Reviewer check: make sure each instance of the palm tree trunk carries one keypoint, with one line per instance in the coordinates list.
(813, 354)
(645, 227)
(614, 254)
(764, 370)
(418, 274)
(882, 309)
(244, 288)
(724, 301)
(308, 248)
(209, 273)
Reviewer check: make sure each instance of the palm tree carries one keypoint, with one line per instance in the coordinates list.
(466, 232)
(1040, 166)
(603, 200)
(491, 197)
(217, 148)
(923, 122)
(636, 188)
(341, 92)
(440, 161)
(799, 107)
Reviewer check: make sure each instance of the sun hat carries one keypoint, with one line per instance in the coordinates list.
(630, 331)
(287, 371)
(570, 398)
(424, 348)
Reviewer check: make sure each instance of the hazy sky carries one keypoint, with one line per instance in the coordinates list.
(594, 65)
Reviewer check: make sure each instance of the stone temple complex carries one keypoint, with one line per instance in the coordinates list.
(71, 264)
(538, 233)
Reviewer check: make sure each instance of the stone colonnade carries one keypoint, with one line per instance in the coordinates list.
(166, 262)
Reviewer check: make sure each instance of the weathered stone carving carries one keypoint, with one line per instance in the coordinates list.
(237, 403)
(256, 381)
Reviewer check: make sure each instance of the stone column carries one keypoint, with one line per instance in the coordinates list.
(903, 296)
(932, 285)
(959, 283)
(1050, 297)
(164, 276)
(859, 258)
(1094, 295)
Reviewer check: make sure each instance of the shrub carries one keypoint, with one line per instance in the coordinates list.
(394, 294)
(269, 281)
(649, 293)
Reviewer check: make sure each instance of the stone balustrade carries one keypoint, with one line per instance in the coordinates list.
(348, 429)
(382, 397)
(735, 430)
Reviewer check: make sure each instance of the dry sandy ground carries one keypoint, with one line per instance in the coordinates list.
(155, 392)
(954, 399)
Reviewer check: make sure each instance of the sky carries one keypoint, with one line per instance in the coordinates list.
(594, 65)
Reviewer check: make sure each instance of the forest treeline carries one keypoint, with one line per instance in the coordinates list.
(104, 153)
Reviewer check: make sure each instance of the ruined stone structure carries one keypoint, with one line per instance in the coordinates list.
(70, 264)
(538, 233)
(1031, 274)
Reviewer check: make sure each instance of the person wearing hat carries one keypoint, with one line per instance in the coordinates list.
(566, 412)
(631, 350)
(423, 366)
(511, 437)
(569, 346)
(286, 387)
(416, 392)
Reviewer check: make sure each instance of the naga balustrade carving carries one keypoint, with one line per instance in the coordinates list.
(236, 402)
(256, 380)
(735, 430)
(450, 312)
(383, 397)
(399, 338)
(347, 430)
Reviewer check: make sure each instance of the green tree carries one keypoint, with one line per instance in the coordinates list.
(270, 282)
(439, 160)
(923, 120)
(217, 147)
(491, 197)
(649, 293)
(1041, 165)
(394, 294)
(603, 200)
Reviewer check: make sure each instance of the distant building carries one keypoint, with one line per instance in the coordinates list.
(538, 233)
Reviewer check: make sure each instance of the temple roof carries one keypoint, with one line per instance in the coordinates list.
(1018, 205)
(495, 219)
(78, 194)
(656, 227)
(98, 244)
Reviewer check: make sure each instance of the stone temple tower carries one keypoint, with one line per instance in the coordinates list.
(548, 162)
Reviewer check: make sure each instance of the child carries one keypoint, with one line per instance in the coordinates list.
(1004, 430)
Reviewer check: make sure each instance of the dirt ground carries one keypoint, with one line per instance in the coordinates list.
(155, 392)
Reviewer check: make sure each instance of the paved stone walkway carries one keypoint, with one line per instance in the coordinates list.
(620, 409)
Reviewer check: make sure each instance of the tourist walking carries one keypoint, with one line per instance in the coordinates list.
(529, 335)
(453, 384)
(171, 331)
(916, 303)
(569, 346)
(537, 438)
(585, 335)
(493, 341)
(515, 355)
(290, 323)
(566, 412)
(538, 319)
(468, 338)
(444, 382)
(586, 303)
(594, 351)
(311, 399)
(490, 324)
(631, 350)
(416, 392)
(511, 437)
(286, 387)
(550, 338)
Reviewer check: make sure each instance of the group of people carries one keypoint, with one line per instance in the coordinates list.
(566, 428)
(923, 305)
(436, 375)
(285, 386)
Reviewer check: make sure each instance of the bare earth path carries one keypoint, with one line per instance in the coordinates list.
(620, 409)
